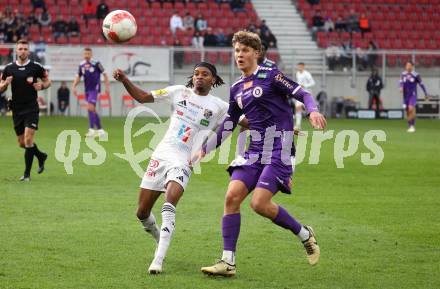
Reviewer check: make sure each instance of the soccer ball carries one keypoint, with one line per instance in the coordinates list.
(119, 26)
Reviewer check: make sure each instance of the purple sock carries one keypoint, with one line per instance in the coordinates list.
(91, 119)
(230, 231)
(283, 219)
(411, 122)
(97, 121)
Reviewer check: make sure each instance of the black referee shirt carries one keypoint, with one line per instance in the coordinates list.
(24, 95)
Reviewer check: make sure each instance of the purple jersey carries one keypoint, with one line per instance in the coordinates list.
(263, 98)
(409, 81)
(268, 63)
(91, 71)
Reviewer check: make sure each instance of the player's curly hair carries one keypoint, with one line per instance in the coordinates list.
(247, 38)
(218, 80)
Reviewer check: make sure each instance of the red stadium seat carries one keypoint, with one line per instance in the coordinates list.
(105, 101)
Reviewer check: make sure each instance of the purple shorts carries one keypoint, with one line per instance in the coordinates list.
(410, 101)
(274, 177)
(92, 96)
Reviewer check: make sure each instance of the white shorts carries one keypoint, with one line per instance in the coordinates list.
(160, 172)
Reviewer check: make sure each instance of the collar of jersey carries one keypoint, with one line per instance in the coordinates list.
(26, 63)
(253, 74)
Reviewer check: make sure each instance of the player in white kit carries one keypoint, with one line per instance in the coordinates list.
(305, 79)
(169, 168)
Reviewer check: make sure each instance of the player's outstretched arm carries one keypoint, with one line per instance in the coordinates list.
(317, 120)
(4, 83)
(137, 93)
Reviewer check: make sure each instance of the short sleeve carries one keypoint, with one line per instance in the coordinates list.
(80, 71)
(41, 72)
(100, 67)
(283, 84)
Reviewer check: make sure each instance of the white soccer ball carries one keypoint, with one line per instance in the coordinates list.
(119, 26)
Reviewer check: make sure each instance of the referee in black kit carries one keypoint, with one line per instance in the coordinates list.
(23, 75)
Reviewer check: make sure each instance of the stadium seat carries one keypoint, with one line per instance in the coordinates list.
(81, 103)
(105, 101)
(127, 102)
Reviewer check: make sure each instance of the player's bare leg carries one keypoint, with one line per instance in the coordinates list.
(236, 193)
(147, 199)
(26, 140)
(262, 204)
(173, 194)
(411, 117)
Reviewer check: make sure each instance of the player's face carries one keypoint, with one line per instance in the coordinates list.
(245, 57)
(203, 79)
(409, 67)
(22, 51)
(87, 55)
(300, 67)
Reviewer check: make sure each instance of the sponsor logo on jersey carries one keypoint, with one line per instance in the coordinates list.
(179, 112)
(184, 133)
(159, 92)
(195, 105)
(182, 103)
(257, 91)
(239, 101)
(207, 113)
(262, 75)
(152, 166)
(248, 84)
(204, 122)
(280, 77)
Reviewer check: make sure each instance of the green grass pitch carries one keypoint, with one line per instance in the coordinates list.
(377, 226)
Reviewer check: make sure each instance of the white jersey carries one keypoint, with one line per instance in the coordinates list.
(192, 113)
(305, 79)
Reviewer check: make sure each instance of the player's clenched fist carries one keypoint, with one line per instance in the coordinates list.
(119, 75)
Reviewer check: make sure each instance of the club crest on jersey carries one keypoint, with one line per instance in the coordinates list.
(257, 91)
(207, 113)
(30, 79)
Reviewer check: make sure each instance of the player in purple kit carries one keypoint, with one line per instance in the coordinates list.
(408, 86)
(91, 70)
(262, 95)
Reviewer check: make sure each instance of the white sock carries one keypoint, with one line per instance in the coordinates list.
(229, 257)
(303, 234)
(150, 226)
(166, 232)
(298, 118)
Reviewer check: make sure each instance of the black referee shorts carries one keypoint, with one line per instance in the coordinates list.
(22, 120)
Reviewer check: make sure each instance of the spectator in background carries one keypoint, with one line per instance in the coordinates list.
(210, 40)
(73, 27)
(21, 29)
(364, 24)
(44, 19)
(89, 11)
(188, 21)
(238, 6)
(178, 54)
(63, 96)
(340, 25)
(374, 86)
(176, 22)
(59, 28)
(372, 56)
(40, 50)
(313, 2)
(269, 38)
(197, 40)
(222, 40)
(263, 27)
(201, 24)
(317, 22)
(333, 55)
(252, 27)
(361, 58)
(38, 4)
(329, 26)
(352, 22)
(101, 10)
